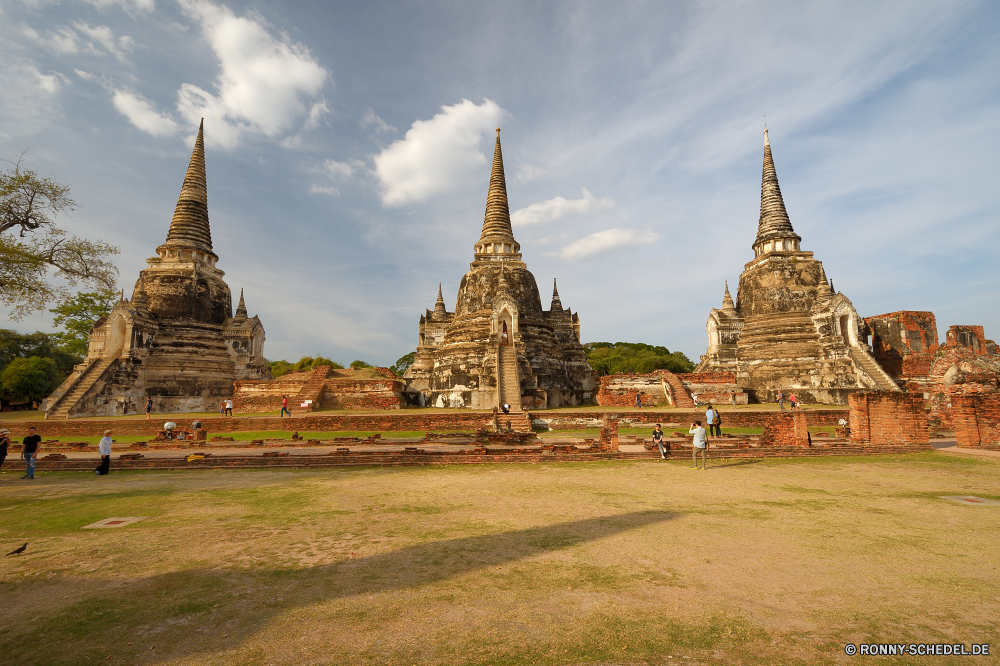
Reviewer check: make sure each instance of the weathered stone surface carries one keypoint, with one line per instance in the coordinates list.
(177, 339)
(788, 330)
(500, 345)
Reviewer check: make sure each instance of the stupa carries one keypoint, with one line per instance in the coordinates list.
(176, 340)
(787, 329)
(499, 345)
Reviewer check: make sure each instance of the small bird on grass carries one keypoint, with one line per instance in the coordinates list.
(17, 551)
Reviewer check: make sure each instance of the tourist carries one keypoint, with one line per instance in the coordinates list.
(229, 406)
(732, 396)
(506, 408)
(781, 401)
(713, 420)
(149, 406)
(284, 407)
(222, 408)
(29, 451)
(104, 448)
(793, 400)
(700, 444)
(638, 400)
(4, 444)
(658, 440)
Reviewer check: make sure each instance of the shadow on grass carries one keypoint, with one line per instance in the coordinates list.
(162, 609)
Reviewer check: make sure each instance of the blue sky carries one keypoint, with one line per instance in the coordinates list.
(349, 149)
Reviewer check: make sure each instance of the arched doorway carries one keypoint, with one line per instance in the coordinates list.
(845, 329)
(505, 328)
(504, 335)
(116, 337)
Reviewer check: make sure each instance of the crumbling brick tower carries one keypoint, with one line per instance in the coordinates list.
(500, 345)
(788, 330)
(177, 339)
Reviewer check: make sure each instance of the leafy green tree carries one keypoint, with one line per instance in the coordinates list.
(360, 364)
(403, 363)
(33, 249)
(29, 379)
(25, 345)
(634, 357)
(307, 363)
(279, 368)
(78, 314)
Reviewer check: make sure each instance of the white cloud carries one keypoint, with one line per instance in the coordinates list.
(338, 169)
(553, 209)
(604, 241)
(86, 76)
(437, 155)
(262, 82)
(321, 189)
(141, 113)
(316, 113)
(34, 105)
(369, 119)
(103, 35)
(529, 172)
(62, 41)
(127, 5)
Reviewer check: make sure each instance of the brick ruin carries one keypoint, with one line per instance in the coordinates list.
(788, 330)
(499, 345)
(177, 339)
(323, 387)
(906, 344)
(662, 387)
(881, 418)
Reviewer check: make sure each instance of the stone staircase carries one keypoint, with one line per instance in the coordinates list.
(510, 385)
(510, 392)
(677, 394)
(871, 367)
(60, 409)
(312, 390)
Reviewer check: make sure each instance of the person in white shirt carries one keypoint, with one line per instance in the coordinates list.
(700, 444)
(105, 450)
(229, 406)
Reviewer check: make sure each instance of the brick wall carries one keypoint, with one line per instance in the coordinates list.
(886, 418)
(581, 420)
(786, 429)
(619, 390)
(976, 416)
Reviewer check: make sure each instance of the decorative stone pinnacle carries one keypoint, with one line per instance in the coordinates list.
(189, 227)
(241, 309)
(439, 305)
(727, 301)
(496, 225)
(556, 303)
(773, 222)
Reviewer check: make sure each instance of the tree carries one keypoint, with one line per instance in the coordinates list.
(357, 365)
(403, 363)
(78, 314)
(25, 345)
(29, 379)
(634, 357)
(32, 247)
(307, 363)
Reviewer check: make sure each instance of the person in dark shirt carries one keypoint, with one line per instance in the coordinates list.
(30, 452)
(4, 444)
(658, 440)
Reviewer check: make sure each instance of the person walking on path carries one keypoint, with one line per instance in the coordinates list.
(29, 451)
(713, 420)
(149, 406)
(105, 450)
(700, 444)
(781, 401)
(284, 407)
(658, 440)
(229, 406)
(4, 444)
(638, 400)
(795, 401)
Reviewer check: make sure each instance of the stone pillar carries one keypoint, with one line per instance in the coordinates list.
(609, 433)
(786, 429)
(885, 418)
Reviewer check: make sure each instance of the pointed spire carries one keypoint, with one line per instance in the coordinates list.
(773, 222)
(496, 225)
(503, 278)
(189, 226)
(823, 288)
(556, 303)
(832, 288)
(241, 309)
(139, 294)
(727, 302)
(439, 305)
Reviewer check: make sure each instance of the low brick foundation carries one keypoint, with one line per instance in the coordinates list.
(880, 417)
(976, 418)
(786, 429)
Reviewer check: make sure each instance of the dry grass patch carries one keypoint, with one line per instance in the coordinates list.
(770, 562)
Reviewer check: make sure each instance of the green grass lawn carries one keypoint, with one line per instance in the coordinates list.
(748, 562)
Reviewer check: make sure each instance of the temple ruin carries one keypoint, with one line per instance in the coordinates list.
(499, 345)
(788, 330)
(176, 340)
